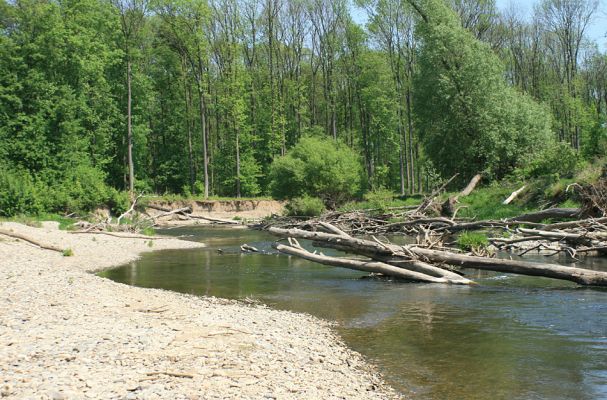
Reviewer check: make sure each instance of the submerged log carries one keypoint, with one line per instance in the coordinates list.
(411, 252)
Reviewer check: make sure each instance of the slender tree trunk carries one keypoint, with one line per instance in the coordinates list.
(203, 127)
(236, 131)
(410, 133)
(129, 128)
(188, 100)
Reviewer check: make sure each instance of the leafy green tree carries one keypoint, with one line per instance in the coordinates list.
(317, 167)
(470, 119)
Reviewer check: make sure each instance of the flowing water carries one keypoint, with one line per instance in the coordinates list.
(510, 337)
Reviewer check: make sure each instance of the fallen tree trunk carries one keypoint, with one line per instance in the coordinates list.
(411, 264)
(578, 275)
(216, 220)
(30, 240)
(360, 265)
(513, 195)
(471, 185)
(538, 216)
(367, 247)
(584, 238)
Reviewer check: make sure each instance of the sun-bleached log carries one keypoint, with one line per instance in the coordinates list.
(31, 240)
(362, 265)
(514, 195)
(367, 247)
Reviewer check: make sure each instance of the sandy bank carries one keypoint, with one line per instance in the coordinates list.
(242, 210)
(65, 333)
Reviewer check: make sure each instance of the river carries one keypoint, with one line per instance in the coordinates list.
(510, 337)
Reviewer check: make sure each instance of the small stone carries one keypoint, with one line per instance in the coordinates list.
(6, 390)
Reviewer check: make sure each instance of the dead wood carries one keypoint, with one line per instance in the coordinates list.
(130, 210)
(31, 240)
(356, 245)
(513, 195)
(550, 213)
(215, 220)
(362, 265)
(430, 198)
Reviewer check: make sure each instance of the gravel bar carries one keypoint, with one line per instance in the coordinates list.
(66, 333)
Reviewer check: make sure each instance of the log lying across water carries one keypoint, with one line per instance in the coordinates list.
(413, 257)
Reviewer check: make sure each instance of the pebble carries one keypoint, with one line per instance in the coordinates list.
(95, 341)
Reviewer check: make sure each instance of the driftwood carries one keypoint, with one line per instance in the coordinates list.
(248, 248)
(373, 266)
(448, 207)
(430, 199)
(215, 220)
(556, 213)
(130, 210)
(513, 195)
(31, 240)
(413, 252)
(124, 235)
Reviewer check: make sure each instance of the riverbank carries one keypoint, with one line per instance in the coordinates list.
(66, 333)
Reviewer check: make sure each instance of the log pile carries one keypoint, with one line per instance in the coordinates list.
(421, 263)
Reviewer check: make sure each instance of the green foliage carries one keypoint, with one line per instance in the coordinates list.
(68, 253)
(472, 241)
(305, 206)
(18, 193)
(149, 231)
(379, 199)
(486, 203)
(558, 158)
(318, 167)
(470, 119)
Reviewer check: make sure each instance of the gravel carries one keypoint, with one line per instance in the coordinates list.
(68, 334)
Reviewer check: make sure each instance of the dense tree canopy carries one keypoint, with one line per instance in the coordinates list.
(470, 119)
(201, 96)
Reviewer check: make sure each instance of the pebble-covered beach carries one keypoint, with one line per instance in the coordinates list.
(66, 333)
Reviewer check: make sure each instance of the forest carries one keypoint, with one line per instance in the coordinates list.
(100, 99)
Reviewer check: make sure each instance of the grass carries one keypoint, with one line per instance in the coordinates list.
(65, 223)
(68, 253)
(486, 203)
(472, 241)
(370, 205)
(148, 231)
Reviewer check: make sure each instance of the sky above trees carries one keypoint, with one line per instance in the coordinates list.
(596, 31)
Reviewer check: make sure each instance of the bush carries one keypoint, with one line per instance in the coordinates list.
(558, 158)
(379, 199)
(79, 189)
(305, 206)
(317, 167)
(18, 194)
(472, 241)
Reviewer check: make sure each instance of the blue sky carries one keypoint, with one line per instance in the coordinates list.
(597, 29)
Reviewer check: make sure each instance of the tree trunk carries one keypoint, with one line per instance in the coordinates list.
(376, 249)
(129, 128)
(203, 127)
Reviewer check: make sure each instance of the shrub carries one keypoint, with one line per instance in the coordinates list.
(317, 167)
(119, 202)
(18, 194)
(305, 206)
(472, 241)
(379, 199)
(558, 158)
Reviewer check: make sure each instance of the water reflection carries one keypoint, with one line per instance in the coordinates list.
(511, 337)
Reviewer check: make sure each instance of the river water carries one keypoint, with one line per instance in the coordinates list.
(510, 337)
